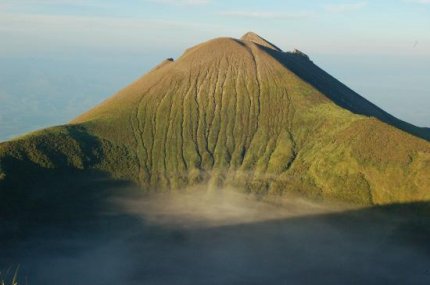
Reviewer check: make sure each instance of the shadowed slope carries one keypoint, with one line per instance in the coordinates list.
(235, 112)
(343, 96)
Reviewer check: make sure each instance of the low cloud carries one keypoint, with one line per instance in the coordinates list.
(205, 207)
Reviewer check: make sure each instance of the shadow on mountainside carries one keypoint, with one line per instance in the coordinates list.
(53, 174)
(85, 237)
(339, 93)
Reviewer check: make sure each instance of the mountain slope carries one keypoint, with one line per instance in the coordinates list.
(341, 94)
(242, 113)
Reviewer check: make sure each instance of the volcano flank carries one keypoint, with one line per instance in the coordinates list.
(241, 113)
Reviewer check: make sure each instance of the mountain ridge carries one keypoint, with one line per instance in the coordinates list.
(253, 37)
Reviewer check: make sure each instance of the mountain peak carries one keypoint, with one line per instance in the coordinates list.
(253, 37)
(234, 114)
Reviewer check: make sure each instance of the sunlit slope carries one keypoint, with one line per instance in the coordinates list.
(232, 112)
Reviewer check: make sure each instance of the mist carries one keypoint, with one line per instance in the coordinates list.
(204, 207)
(221, 236)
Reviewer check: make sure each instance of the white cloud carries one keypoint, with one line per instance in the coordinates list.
(49, 2)
(46, 33)
(181, 2)
(266, 15)
(24, 4)
(419, 1)
(342, 8)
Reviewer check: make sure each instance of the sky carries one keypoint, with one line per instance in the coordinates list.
(60, 57)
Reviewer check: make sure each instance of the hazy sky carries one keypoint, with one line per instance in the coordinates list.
(74, 53)
(384, 26)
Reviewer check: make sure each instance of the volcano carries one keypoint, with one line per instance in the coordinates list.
(238, 112)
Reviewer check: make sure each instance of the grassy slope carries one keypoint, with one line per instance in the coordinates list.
(229, 112)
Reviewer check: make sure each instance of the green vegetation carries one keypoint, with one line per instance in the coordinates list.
(232, 112)
(9, 278)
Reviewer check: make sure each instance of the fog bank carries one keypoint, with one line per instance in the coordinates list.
(223, 237)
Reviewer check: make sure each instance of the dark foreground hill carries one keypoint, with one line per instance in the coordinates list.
(232, 112)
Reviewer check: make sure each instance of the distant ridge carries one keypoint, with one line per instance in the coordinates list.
(238, 113)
